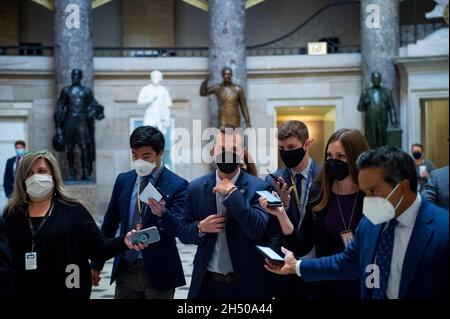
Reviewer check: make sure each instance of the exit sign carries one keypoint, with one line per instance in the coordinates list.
(317, 48)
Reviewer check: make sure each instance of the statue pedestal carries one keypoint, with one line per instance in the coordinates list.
(394, 137)
(85, 191)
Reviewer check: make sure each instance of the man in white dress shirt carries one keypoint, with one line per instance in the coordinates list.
(401, 247)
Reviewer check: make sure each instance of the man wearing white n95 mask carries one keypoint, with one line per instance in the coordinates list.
(401, 247)
(155, 272)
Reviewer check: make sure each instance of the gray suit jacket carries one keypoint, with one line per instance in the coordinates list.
(436, 190)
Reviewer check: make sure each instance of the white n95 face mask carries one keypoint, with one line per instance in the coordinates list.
(143, 168)
(39, 185)
(380, 210)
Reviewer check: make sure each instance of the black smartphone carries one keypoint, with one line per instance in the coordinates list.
(274, 178)
(146, 236)
(270, 254)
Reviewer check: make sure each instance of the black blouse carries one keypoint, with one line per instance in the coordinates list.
(313, 232)
(69, 237)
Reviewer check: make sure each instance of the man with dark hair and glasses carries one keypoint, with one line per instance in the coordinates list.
(155, 272)
(401, 247)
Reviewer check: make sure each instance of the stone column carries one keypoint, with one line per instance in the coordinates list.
(226, 46)
(380, 41)
(73, 41)
(72, 49)
(380, 37)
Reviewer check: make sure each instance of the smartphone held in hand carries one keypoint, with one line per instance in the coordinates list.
(272, 201)
(270, 254)
(145, 236)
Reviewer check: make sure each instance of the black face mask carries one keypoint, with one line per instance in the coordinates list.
(337, 169)
(227, 162)
(417, 155)
(292, 158)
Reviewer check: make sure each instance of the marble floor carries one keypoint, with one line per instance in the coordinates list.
(106, 291)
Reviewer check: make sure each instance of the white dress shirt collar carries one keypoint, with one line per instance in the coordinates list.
(408, 217)
(305, 170)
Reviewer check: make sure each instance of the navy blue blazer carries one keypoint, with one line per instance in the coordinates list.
(436, 190)
(425, 267)
(161, 259)
(245, 228)
(8, 177)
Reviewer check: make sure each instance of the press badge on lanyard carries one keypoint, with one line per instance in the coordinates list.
(347, 237)
(31, 261)
(31, 257)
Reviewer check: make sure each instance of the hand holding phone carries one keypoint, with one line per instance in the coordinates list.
(272, 201)
(277, 180)
(146, 236)
(270, 254)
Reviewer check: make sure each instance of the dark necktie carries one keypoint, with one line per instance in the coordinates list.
(383, 259)
(299, 178)
(132, 255)
(298, 185)
(17, 164)
(139, 215)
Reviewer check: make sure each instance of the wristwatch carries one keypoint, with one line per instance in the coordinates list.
(199, 230)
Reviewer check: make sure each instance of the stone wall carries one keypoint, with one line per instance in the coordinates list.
(148, 23)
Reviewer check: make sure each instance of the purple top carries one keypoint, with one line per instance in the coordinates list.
(334, 224)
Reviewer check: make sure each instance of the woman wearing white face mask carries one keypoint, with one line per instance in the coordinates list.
(51, 234)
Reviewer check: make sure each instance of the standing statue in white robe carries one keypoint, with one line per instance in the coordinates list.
(158, 102)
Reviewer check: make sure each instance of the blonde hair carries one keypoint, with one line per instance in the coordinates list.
(20, 198)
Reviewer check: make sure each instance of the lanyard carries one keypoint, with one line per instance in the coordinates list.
(342, 215)
(34, 233)
(301, 207)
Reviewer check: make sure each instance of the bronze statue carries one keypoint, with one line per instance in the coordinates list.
(75, 115)
(378, 104)
(230, 97)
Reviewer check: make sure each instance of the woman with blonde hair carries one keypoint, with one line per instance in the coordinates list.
(52, 235)
(333, 211)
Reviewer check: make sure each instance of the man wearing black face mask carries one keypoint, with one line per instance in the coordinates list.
(423, 166)
(293, 184)
(222, 216)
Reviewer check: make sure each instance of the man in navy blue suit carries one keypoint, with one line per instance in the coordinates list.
(293, 184)
(222, 216)
(401, 246)
(155, 272)
(11, 166)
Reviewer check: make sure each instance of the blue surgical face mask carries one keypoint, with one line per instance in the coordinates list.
(20, 152)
